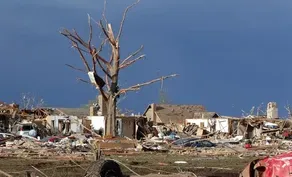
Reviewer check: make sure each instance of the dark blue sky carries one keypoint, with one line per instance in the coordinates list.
(230, 55)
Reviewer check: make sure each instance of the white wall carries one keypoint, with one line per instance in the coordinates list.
(272, 110)
(198, 122)
(97, 122)
(75, 123)
(222, 125)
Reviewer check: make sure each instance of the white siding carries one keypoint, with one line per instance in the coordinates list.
(222, 125)
(97, 122)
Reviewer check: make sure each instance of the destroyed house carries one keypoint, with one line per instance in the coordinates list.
(173, 114)
(66, 119)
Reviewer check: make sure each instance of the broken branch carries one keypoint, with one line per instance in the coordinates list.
(78, 69)
(138, 86)
(90, 31)
(106, 33)
(131, 62)
(124, 18)
(132, 55)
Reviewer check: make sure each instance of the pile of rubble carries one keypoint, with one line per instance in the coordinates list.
(249, 137)
(73, 145)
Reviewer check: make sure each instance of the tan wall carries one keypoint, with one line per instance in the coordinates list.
(157, 118)
(129, 128)
(102, 104)
(151, 115)
(49, 121)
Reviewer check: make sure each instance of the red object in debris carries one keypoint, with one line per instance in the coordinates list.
(247, 146)
(286, 134)
(277, 166)
(55, 139)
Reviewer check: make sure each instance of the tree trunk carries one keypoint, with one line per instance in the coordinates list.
(110, 117)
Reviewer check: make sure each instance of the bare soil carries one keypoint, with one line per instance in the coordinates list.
(142, 164)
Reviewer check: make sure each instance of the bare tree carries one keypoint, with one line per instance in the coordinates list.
(29, 101)
(108, 82)
(288, 108)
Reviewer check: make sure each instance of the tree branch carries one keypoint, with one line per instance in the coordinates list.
(85, 81)
(101, 45)
(82, 50)
(72, 38)
(111, 35)
(131, 62)
(80, 40)
(76, 37)
(90, 31)
(93, 52)
(105, 32)
(123, 20)
(78, 69)
(103, 12)
(81, 56)
(138, 86)
(101, 66)
(107, 83)
(132, 55)
(97, 87)
(102, 92)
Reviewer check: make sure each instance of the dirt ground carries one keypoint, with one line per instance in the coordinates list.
(142, 164)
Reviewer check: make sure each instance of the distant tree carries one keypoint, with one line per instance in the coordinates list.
(30, 101)
(108, 82)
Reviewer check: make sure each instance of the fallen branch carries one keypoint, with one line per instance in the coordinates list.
(154, 170)
(5, 174)
(39, 171)
(44, 169)
(77, 164)
(138, 86)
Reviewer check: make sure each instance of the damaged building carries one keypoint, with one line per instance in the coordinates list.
(171, 114)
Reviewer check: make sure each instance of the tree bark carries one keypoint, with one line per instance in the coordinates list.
(110, 117)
